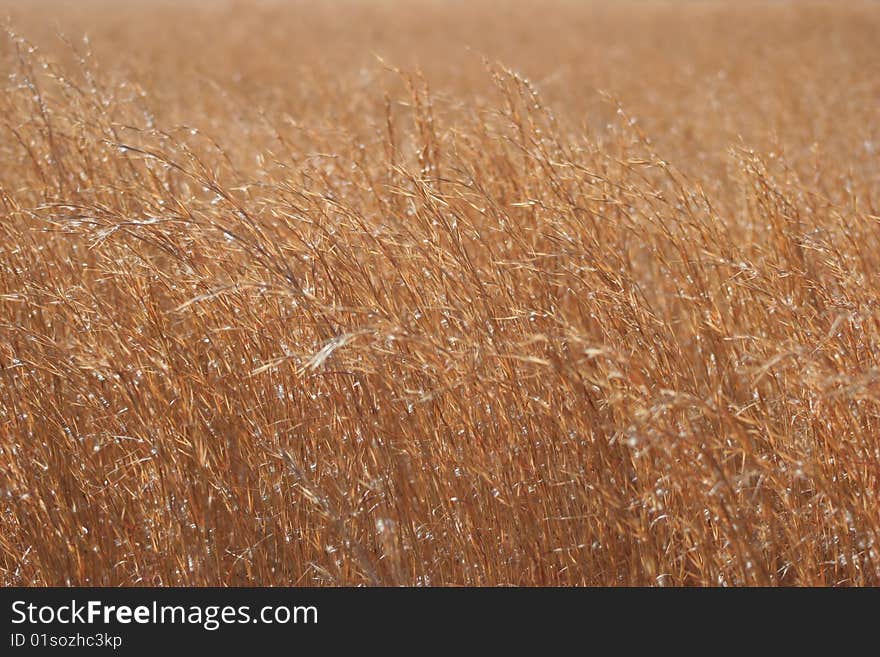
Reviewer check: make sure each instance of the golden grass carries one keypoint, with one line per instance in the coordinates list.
(393, 293)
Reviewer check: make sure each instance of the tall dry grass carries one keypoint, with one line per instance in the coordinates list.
(328, 294)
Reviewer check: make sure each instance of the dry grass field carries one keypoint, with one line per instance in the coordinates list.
(440, 293)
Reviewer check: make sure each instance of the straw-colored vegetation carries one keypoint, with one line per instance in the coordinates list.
(440, 293)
